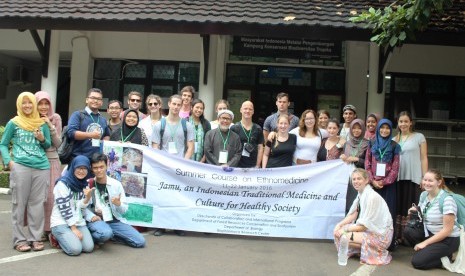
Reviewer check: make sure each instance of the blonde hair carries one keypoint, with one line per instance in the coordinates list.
(282, 116)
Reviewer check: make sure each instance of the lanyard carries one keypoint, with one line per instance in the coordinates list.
(173, 132)
(76, 209)
(381, 154)
(429, 204)
(401, 143)
(358, 148)
(245, 132)
(127, 137)
(196, 127)
(102, 196)
(224, 141)
(98, 118)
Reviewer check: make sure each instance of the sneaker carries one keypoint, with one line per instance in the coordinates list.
(159, 232)
(180, 233)
(53, 241)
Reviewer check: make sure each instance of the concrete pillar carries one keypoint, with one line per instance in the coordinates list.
(81, 72)
(375, 99)
(213, 90)
(50, 83)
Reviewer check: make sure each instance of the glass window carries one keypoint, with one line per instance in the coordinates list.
(329, 80)
(241, 74)
(189, 72)
(163, 91)
(164, 72)
(135, 70)
(407, 85)
(437, 86)
(107, 69)
(265, 79)
(306, 80)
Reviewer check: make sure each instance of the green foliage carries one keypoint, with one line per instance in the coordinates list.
(396, 23)
(4, 179)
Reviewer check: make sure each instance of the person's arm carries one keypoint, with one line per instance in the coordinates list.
(447, 228)
(190, 150)
(259, 155)
(266, 154)
(424, 158)
(236, 151)
(208, 148)
(55, 130)
(47, 141)
(156, 136)
(4, 144)
(338, 229)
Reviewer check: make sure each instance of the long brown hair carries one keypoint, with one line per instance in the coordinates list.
(303, 127)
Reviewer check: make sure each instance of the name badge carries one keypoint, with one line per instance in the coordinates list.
(106, 213)
(95, 142)
(244, 152)
(223, 158)
(172, 148)
(380, 169)
(196, 147)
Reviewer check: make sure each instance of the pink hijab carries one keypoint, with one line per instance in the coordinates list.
(40, 95)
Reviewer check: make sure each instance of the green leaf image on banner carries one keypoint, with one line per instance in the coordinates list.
(139, 212)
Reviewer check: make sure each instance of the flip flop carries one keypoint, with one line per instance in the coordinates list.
(23, 247)
(37, 246)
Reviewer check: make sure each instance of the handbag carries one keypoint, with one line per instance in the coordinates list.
(458, 265)
(414, 231)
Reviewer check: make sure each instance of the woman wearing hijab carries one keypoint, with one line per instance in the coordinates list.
(53, 120)
(354, 153)
(129, 131)
(382, 164)
(71, 199)
(29, 166)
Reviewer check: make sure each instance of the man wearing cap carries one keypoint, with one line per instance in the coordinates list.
(271, 122)
(251, 138)
(222, 146)
(349, 114)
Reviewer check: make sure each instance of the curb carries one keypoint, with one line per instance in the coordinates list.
(5, 191)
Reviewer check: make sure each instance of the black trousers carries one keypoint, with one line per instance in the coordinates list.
(430, 256)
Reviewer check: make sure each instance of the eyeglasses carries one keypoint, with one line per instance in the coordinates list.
(225, 118)
(153, 104)
(81, 168)
(95, 98)
(135, 100)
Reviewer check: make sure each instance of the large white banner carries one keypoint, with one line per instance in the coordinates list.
(163, 191)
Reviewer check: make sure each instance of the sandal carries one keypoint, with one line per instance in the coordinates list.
(37, 246)
(22, 247)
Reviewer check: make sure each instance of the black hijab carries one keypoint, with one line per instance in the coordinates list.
(128, 133)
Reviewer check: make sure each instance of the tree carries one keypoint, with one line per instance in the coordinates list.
(399, 21)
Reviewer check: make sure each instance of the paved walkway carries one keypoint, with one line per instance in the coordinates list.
(194, 254)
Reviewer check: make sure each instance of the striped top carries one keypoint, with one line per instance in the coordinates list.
(433, 216)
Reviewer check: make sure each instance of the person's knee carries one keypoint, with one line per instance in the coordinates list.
(139, 242)
(417, 262)
(73, 250)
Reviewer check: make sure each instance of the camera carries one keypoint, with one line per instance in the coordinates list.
(249, 147)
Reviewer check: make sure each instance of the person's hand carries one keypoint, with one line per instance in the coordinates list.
(95, 134)
(10, 165)
(39, 135)
(420, 246)
(343, 157)
(88, 192)
(412, 210)
(76, 232)
(95, 218)
(46, 120)
(271, 136)
(116, 200)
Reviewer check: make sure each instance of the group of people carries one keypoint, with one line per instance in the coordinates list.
(392, 166)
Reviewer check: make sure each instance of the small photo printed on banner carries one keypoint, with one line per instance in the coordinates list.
(115, 161)
(132, 160)
(134, 184)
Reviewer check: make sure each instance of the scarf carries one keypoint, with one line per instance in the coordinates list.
(128, 133)
(70, 180)
(383, 144)
(29, 122)
(356, 145)
(53, 117)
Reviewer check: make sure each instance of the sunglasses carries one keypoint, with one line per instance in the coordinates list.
(135, 100)
(152, 104)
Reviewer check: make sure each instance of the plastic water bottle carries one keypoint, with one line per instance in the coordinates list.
(343, 249)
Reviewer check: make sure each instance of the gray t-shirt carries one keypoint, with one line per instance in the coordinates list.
(410, 158)
(173, 133)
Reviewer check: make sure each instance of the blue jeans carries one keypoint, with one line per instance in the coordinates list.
(120, 232)
(70, 243)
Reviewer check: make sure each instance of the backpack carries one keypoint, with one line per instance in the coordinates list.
(459, 200)
(65, 150)
(162, 131)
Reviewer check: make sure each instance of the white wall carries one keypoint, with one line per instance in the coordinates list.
(428, 59)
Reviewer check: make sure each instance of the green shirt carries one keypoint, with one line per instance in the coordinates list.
(27, 150)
